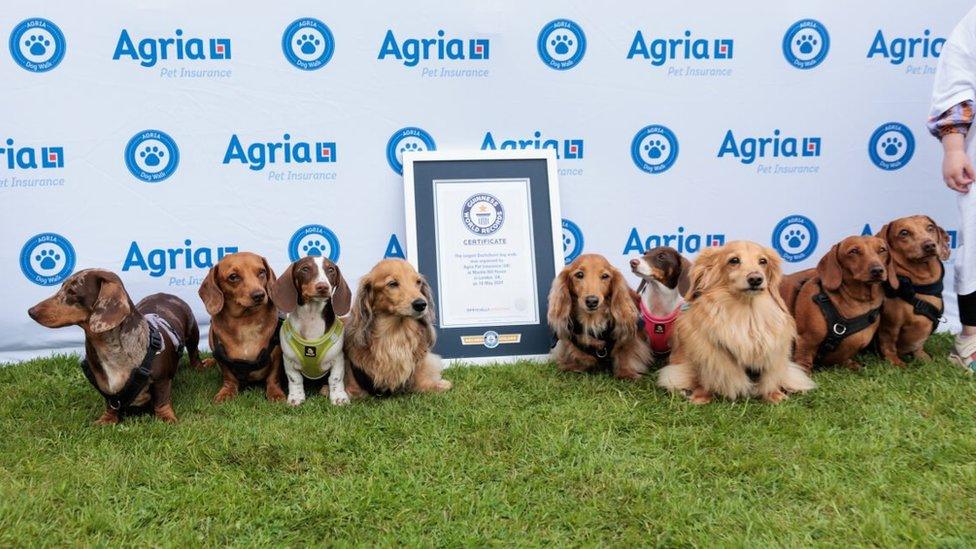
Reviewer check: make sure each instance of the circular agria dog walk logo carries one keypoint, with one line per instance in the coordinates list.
(654, 149)
(313, 240)
(891, 146)
(152, 156)
(795, 238)
(806, 43)
(483, 214)
(308, 44)
(407, 140)
(561, 44)
(47, 259)
(37, 44)
(572, 241)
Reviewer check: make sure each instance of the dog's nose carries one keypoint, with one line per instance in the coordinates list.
(257, 296)
(634, 263)
(877, 272)
(322, 288)
(419, 304)
(755, 280)
(928, 247)
(592, 301)
(32, 312)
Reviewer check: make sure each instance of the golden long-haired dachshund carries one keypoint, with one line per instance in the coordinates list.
(594, 313)
(391, 331)
(735, 337)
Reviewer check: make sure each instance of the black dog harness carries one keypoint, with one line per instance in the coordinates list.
(243, 368)
(908, 292)
(840, 328)
(138, 378)
(601, 354)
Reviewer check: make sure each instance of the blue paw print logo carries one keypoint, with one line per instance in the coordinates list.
(891, 146)
(308, 44)
(806, 43)
(152, 156)
(572, 241)
(795, 238)
(654, 149)
(37, 45)
(313, 240)
(47, 259)
(407, 140)
(561, 44)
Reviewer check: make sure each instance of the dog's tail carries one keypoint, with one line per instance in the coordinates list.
(677, 377)
(796, 380)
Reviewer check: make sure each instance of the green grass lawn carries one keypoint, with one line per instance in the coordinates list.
(514, 454)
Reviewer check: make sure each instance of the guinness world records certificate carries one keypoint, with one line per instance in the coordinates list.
(484, 228)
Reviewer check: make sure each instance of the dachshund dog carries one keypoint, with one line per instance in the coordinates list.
(314, 294)
(131, 351)
(837, 306)
(664, 281)
(735, 337)
(911, 312)
(391, 331)
(243, 324)
(594, 314)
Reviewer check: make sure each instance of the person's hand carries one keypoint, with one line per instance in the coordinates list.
(957, 171)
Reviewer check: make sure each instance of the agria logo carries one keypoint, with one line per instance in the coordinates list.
(308, 44)
(47, 259)
(572, 241)
(561, 44)
(313, 240)
(795, 238)
(897, 50)
(30, 158)
(566, 149)
(654, 149)
(681, 240)
(149, 51)
(748, 149)
(661, 50)
(407, 140)
(37, 45)
(259, 154)
(412, 51)
(152, 156)
(806, 43)
(159, 261)
(891, 146)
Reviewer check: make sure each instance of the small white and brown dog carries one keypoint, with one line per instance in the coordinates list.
(664, 275)
(314, 295)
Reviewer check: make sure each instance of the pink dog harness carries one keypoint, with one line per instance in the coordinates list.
(659, 329)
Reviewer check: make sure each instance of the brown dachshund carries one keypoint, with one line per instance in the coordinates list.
(243, 325)
(131, 351)
(391, 331)
(594, 314)
(912, 311)
(837, 306)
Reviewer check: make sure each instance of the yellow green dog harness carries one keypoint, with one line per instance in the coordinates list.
(311, 353)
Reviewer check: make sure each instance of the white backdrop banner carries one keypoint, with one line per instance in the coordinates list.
(151, 138)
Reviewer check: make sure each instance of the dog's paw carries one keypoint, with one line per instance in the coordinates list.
(296, 400)
(108, 418)
(208, 363)
(166, 413)
(700, 396)
(340, 398)
(774, 397)
(921, 355)
(225, 394)
(851, 364)
(274, 394)
(443, 385)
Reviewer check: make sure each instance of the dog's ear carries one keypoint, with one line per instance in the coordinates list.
(283, 292)
(684, 276)
(703, 273)
(829, 270)
(111, 307)
(943, 242)
(561, 303)
(270, 278)
(775, 273)
(892, 271)
(361, 322)
(623, 308)
(211, 294)
(883, 233)
(341, 294)
(429, 316)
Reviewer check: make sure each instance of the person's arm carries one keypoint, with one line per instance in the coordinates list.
(951, 128)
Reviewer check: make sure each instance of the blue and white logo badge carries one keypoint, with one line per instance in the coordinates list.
(491, 339)
(407, 140)
(561, 44)
(572, 241)
(37, 44)
(152, 156)
(806, 43)
(313, 240)
(891, 146)
(795, 238)
(654, 149)
(308, 44)
(483, 214)
(47, 259)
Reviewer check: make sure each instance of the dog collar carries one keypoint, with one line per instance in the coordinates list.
(311, 352)
(138, 377)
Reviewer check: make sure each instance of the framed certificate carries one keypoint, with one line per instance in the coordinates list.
(485, 228)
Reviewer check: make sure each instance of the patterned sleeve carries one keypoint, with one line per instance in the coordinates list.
(955, 120)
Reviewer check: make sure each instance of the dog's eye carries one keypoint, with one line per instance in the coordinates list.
(233, 277)
(604, 276)
(331, 270)
(578, 274)
(853, 251)
(420, 282)
(304, 269)
(661, 257)
(882, 250)
(262, 273)
(734, 261)
(393, 284)
(904, 232)
(763, 261)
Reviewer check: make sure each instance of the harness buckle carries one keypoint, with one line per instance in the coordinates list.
(602, 353)
(839, 329)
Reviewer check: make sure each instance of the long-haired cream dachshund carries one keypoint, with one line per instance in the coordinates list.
(735, 337)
